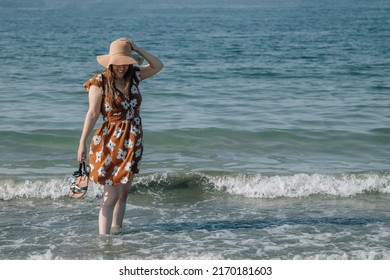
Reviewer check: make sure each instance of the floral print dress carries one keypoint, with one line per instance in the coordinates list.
(117, 145)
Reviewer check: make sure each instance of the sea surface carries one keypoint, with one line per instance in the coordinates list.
(266, 134)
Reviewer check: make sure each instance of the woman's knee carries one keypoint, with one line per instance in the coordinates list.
(123, 193)
(111, 196)
(123, 196)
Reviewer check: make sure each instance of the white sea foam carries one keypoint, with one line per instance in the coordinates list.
(48, 255)
(248, 185)
(53, 188)
(301, 185)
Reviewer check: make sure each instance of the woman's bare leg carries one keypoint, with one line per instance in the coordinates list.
(110, 198)
(120, 207)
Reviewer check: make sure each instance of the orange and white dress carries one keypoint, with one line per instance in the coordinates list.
(117, 145)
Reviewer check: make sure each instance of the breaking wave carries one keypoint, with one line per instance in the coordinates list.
(246, 185)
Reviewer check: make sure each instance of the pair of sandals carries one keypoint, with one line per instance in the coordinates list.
(79, 186)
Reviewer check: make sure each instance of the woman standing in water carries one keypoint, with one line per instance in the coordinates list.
(117, 146)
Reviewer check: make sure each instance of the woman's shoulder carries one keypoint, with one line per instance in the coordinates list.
(96, 80)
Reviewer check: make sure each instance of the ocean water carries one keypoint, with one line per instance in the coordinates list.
(266, 134)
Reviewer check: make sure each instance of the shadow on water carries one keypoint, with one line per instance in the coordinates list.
(255, 224)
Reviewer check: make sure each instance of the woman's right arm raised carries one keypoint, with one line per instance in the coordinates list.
(95, 97)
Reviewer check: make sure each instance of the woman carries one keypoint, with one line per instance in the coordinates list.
(117, 145)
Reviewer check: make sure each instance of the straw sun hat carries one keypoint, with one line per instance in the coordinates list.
(120, 54)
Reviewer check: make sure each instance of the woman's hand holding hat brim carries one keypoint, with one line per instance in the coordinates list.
(134, 47)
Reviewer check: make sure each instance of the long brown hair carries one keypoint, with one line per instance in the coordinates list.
(109, 86)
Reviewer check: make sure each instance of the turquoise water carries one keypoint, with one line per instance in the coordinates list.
(266, 134)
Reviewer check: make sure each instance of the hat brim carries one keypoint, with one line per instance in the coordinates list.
(107, 60)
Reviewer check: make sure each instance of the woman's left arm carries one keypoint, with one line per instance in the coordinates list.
(154, 64)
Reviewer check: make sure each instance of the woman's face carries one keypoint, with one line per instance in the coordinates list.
(120, 70)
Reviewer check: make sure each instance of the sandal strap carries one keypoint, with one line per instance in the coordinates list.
(82, 170)
(76, 174)
(76, 189)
